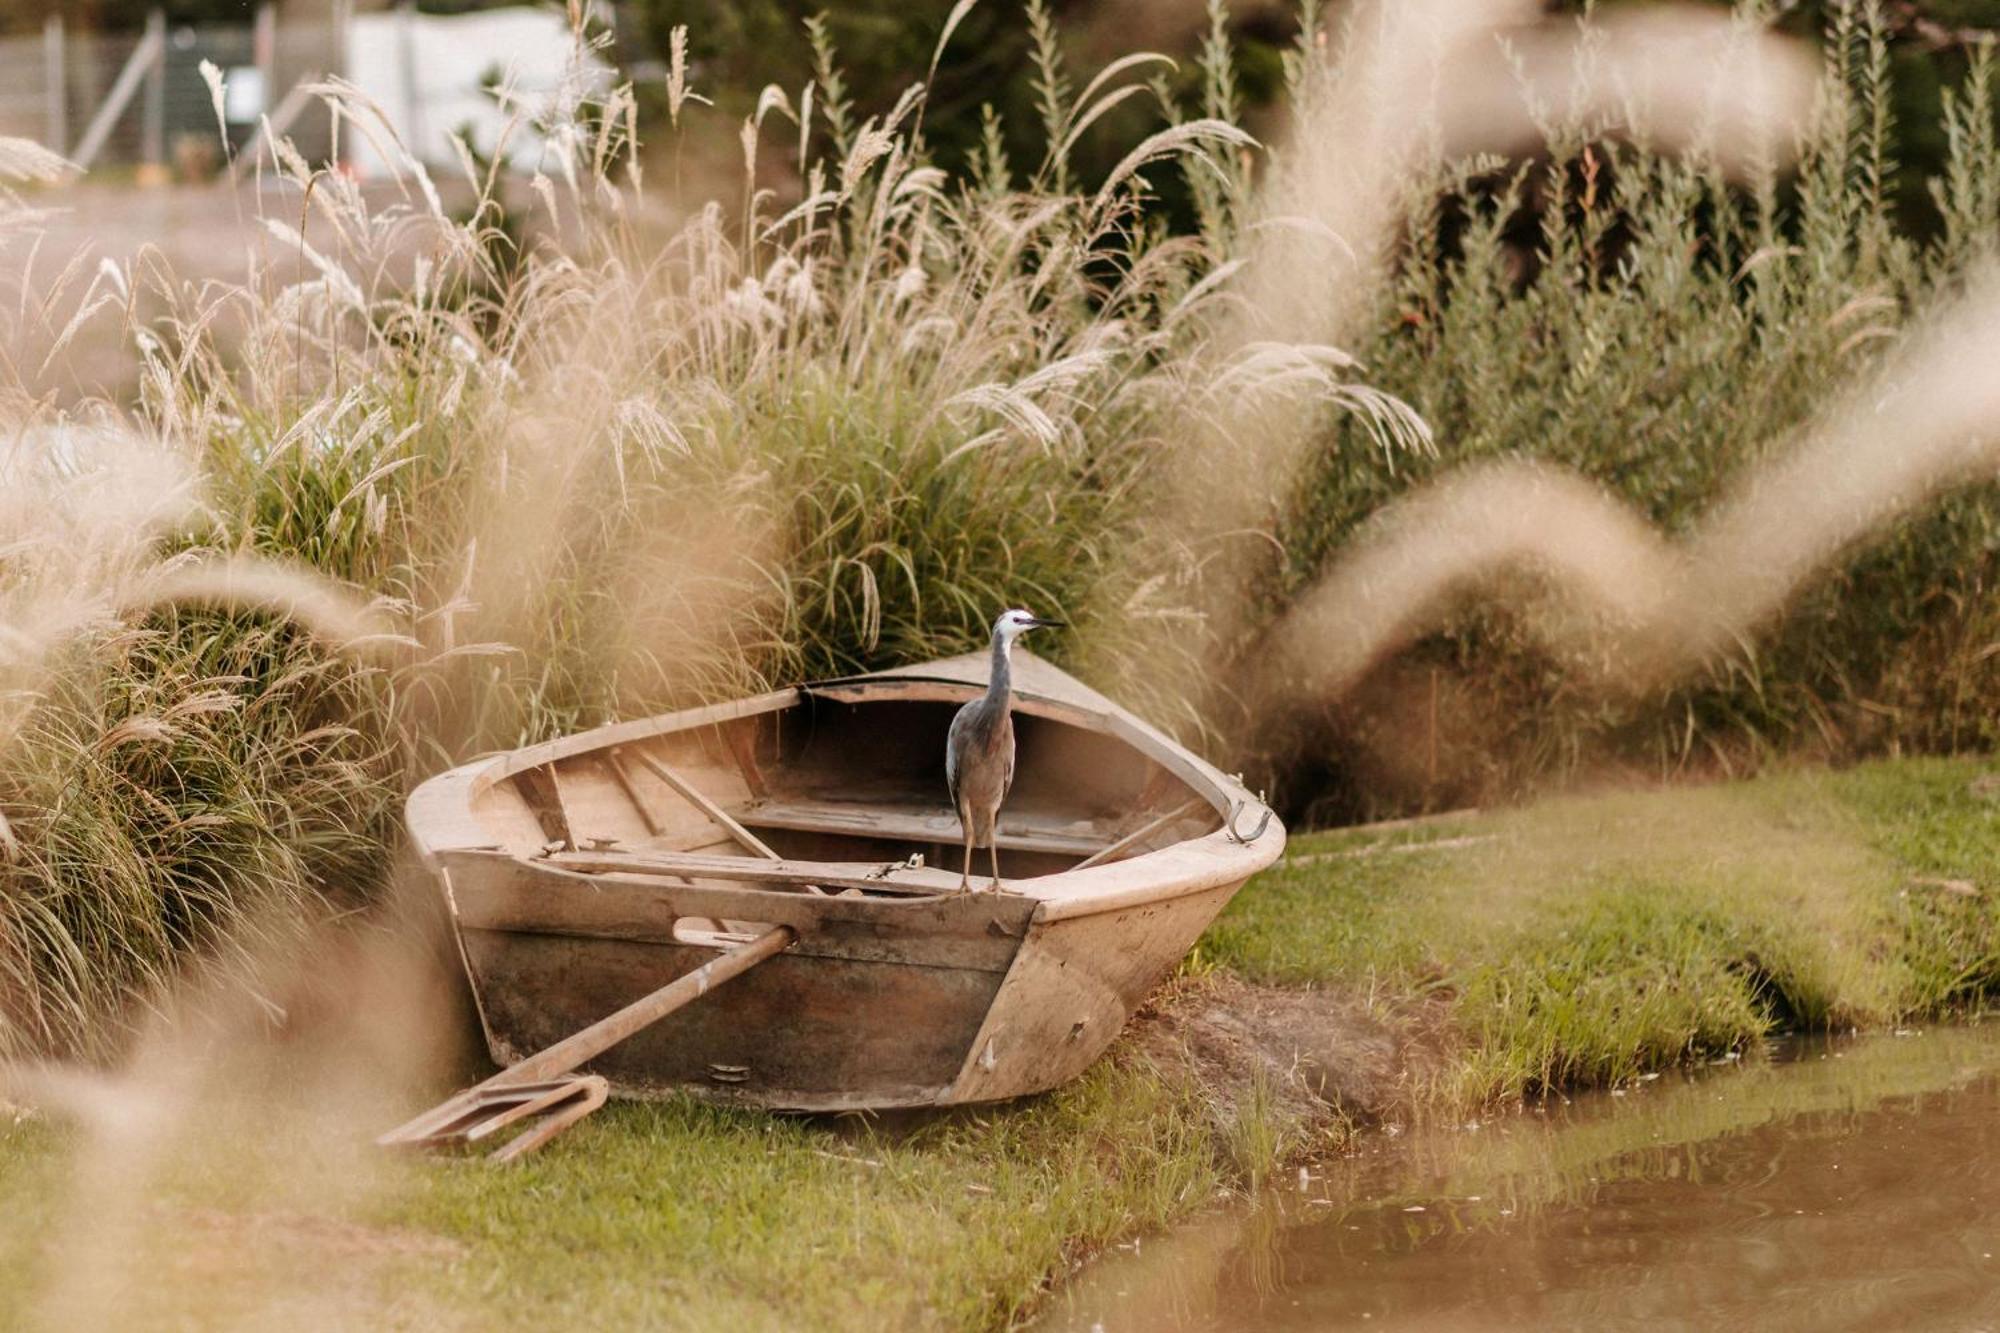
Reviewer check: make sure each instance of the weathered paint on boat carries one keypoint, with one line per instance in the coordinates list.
(585, 872)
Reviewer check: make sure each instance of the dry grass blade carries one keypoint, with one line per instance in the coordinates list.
(252, 583)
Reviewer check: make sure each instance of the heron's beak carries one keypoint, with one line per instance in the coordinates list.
(1048, 624)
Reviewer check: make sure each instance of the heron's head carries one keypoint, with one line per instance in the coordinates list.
(1013, 624)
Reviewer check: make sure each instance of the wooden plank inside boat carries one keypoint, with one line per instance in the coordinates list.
(913, 822)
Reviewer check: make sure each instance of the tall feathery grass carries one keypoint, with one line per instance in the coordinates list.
(551, 459)
(613, 467)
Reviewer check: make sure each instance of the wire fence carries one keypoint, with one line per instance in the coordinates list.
(139, 98)
(55, 88)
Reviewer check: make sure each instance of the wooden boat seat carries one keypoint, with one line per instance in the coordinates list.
(1020, 831)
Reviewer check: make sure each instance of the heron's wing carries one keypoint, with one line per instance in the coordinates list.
(1007, 777)
(954, 750)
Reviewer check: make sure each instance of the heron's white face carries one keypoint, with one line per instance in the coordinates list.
(1013, 624)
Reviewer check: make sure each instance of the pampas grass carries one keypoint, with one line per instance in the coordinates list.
(436, 478)
(603, 470)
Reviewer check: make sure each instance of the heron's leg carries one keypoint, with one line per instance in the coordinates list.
(993, 846)
(965, 876)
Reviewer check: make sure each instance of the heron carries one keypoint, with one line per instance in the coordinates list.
(979, 749)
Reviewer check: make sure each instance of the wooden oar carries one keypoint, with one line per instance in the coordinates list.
(1106, 853)
(546, 1081)
(700, 801)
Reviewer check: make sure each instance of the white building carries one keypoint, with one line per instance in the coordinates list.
(483, 76)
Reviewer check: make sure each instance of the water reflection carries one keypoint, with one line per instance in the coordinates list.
(1852, 1185)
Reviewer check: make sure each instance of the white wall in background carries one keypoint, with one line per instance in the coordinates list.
(429, 74)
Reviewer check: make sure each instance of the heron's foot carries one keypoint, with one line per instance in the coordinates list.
(964, 887)
(994, 887)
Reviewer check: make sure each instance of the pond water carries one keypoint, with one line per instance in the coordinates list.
(1833, 1185)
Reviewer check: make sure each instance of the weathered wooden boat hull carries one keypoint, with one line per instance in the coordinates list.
(579, 880)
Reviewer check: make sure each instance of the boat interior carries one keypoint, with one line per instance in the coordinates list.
(829, 783)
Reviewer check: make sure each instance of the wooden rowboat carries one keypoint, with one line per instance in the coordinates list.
(585, 873)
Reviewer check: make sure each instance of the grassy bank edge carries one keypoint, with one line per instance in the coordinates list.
(1405, 975)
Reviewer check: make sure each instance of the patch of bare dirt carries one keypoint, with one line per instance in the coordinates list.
(1320, 1055)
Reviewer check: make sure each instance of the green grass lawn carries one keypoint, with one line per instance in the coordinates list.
(1581, 941)
(1589, 939)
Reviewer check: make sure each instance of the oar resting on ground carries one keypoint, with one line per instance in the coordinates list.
(546, 1083)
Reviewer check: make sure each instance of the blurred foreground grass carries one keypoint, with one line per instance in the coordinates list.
(577, 461)
(1579, 942)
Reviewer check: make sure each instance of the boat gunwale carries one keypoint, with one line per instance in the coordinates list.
(440, 817)
(816, 920)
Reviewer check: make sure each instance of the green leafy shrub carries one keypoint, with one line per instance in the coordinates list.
(1635, 319)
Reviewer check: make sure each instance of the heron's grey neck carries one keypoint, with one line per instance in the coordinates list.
(1000, 687)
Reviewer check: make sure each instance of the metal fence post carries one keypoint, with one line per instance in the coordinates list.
(153, 136)
(264, 48)
(150, 52)
(412, 90)
(343, 17)
(55, 83)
